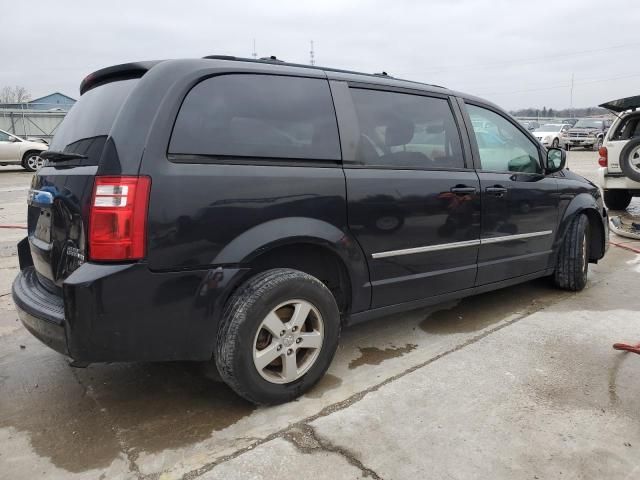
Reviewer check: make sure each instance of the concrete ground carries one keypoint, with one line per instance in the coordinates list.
(518, 383)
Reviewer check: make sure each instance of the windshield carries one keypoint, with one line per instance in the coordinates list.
(549, 127)
(588, 123)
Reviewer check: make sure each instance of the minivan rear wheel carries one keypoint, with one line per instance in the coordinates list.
(573, 258)
(278, 335)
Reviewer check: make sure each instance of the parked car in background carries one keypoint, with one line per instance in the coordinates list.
(619, 172)
(317, 198)
(587, 133)
(570, 121)
(549, 134)
(529, 124)
(18, 151)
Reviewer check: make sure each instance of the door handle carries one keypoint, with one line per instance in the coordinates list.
(497, 190)
(463, 190)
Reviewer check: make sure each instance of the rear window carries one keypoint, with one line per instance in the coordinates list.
(265, 116)
(93, 115)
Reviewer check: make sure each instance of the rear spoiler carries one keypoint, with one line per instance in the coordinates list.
(622, 104)
(123, 71)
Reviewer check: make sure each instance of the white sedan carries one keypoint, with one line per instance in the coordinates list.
(18, 151)
(549, 134)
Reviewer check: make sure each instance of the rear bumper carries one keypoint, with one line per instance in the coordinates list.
(40, 311)
(616, 181)
(579, 142)
(109, 313)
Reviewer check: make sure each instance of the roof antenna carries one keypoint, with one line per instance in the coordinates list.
(254, 54)
(312, 55)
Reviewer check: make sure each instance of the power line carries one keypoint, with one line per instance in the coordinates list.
(529, 60)
(552, 87)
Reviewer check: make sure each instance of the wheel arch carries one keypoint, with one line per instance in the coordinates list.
(27, 151)
(585, 204)
(310, 245)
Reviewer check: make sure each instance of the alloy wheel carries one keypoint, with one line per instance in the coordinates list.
(288, 341)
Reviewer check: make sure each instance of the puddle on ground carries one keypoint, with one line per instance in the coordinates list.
(41, 397)
(375, 355)
(145, 407)
(326, 383)
(472, 314)
(169, 405)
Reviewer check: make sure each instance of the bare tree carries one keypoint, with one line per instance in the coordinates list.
(15, 94)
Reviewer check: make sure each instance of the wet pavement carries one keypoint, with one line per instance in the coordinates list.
(521, 382)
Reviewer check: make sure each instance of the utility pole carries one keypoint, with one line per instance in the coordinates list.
(312, 59)
(254, 54)
(571, 97)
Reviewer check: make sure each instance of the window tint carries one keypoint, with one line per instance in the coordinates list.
(258, 116)
(503, 147)
(93, 114)
(4, 137)
(406, 131)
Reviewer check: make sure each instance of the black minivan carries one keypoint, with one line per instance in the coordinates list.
(246, 210)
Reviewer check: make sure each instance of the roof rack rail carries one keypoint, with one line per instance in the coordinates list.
(221, 57)
(271, 58)
(274, 59)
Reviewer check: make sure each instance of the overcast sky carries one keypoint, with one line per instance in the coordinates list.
(517, 53)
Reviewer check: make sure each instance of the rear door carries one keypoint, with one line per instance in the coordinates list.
(60, 193)
(519, 203)
(413, 202)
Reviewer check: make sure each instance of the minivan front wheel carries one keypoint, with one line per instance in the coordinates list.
(278, 335)
(573, 258)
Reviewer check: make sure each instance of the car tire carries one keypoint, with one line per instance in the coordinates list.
(247, 329)
(630, 159)
(31, 161)
(572, 265)
(617, 199)
(597, 145)
(555, 143)
(568, 147)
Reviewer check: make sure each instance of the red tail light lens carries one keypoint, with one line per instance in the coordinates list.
(118, 219)
(603, 161)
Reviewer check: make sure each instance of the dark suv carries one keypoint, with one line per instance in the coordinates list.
(246, 210)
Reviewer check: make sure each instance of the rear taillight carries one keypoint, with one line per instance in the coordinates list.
(118, 219)
(603, 161)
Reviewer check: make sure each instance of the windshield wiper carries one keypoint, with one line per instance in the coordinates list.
(54, 156)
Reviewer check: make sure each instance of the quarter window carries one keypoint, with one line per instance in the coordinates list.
(400, 130)
(258, 116)
(502, 146)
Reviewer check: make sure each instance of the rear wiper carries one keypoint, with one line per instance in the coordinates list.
(53, 156)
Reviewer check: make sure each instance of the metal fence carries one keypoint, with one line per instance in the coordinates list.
(25, 121)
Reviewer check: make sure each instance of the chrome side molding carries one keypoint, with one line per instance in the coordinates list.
(466, 243)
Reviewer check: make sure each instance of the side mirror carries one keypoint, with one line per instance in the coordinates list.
(12, 139)
(555, 160)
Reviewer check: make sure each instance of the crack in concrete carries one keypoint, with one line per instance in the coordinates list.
(306, 440)
(356, 397)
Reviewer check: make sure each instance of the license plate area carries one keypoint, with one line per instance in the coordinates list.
(42, 230)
